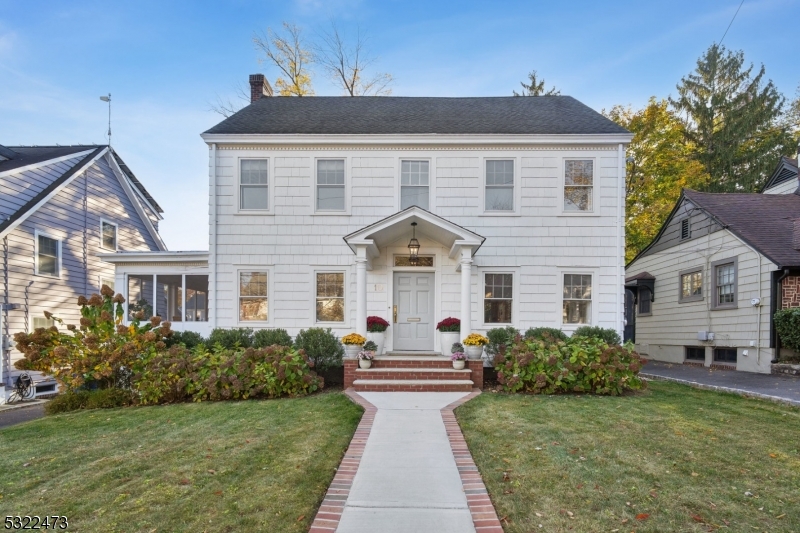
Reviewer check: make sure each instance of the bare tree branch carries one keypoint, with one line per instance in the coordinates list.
(288, 52)
(346, 64)
(226, 107)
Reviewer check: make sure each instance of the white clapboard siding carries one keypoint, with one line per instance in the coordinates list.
(537, 244)
(63, 217)
(786, 187)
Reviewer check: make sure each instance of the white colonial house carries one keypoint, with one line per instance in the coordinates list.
(516, 204)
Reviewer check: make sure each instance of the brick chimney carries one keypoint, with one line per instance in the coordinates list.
(796, 234)
(259, 86)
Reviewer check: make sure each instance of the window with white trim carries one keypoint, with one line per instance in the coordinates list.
(48, 256)
(498, 298)
(330, 296)
(107, 281)
(42, 322)
(253, 185)
(330, 185)
(108, 235)
(578, 185)
(414, 184)
(499, 194)
(577, 304)
(253, 297)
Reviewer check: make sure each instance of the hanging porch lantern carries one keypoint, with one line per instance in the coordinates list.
(413, 246)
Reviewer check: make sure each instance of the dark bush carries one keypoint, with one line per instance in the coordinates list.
(787, 324)
(321, 346)
(231, 338)
(190, 339)
(579, 364)
(269, 337)
(544, 334)
(221, 374)
(499, 338)
(609, 335)
(85, 399)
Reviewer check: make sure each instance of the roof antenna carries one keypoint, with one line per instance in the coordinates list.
(108, 99)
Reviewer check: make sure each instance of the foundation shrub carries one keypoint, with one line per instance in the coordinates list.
(500, 339)
(89, 399)
(189, 339)
(231, 338)
(221, 374)
(269, 337)
(787, 324)
(609, 335)
(578, 364)
(551, 334)
(321, 346)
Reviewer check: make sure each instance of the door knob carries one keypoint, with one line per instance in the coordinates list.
(395, 314)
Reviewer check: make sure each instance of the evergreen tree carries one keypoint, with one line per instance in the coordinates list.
(733, 120)
(535, 87)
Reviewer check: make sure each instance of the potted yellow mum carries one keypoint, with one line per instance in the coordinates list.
(352, 345)
(474, 344)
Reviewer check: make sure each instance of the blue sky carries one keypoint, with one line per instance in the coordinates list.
(165, 61)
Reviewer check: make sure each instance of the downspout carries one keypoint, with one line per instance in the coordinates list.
(213, 199)
(620, 236)
(85, 233)
(4, 331)
(760, 297)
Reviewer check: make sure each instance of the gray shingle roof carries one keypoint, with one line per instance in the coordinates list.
(764, 221)
(29, 155)
(558, 115)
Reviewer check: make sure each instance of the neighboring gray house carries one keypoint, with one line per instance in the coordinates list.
(707, 287)
(59, 207)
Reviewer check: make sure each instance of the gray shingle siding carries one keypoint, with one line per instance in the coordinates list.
(553, 115)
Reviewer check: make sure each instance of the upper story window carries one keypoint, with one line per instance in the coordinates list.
(725, 291)
(330, 185)
(48, 256)
(499, 185)
(254, 184)
(415, 184)
(108, 235)
(578, 185)
(577, 303)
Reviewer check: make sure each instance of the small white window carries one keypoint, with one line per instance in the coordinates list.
(253, 298)
(577, 305)
(42, 322)
(48, 256)
(414, 184)
(499, 185)
(107, 281)
(108, 235)
(330, 185)
(254, 185)
(498, 298)
(578, 185)
(330, 296)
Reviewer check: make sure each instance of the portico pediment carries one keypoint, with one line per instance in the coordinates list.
(397, 226)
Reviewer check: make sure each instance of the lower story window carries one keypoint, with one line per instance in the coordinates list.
(330, 296)
(645, 301)
(42, 322)
(498, 298)
(577, 308)
(164, 295)
(695, 353)
(725, 355)
(253, 296)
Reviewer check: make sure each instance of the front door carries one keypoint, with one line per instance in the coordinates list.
(413, 311)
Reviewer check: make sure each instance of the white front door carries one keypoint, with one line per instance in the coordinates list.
(414, 302)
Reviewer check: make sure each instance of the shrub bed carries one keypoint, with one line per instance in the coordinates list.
(89, 399)
(578, 364)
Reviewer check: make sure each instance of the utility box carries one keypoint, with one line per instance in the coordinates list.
(702, 335)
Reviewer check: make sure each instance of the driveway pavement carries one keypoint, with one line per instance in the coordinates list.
(11, 415)
(779, 388)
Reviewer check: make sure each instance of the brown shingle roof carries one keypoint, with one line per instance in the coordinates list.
(764, 221)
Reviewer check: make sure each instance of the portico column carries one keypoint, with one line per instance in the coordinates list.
(361, 290)
(466, 292)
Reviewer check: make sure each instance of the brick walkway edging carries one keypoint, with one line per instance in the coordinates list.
(484, 516)
(719, 388)
(330, 511)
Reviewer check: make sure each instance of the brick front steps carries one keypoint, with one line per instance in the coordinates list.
(413, 373)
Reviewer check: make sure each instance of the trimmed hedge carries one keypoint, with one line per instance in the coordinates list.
(189, 339)
(89, 399)
(579, 364)
(270, 337)
(609, 335)
(546, 334)
(500, 338)
(787, 324)
(321, 346)
(231, 338)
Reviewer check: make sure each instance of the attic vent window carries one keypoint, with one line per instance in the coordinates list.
(686, 229)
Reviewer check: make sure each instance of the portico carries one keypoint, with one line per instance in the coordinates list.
(411, 292)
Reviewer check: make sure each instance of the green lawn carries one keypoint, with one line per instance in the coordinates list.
(226, 466)
(679, 459)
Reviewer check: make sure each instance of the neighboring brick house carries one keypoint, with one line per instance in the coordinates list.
(707, 287)
(59, 207)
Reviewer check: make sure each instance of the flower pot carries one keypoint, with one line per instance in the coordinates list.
(448, 338)
(364, 363)
(459, 365)
(473, 352)
(378, 337)
(351, 350)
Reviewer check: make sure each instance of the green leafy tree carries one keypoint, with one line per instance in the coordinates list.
(662, 165)
(734, 121)
(535, 87)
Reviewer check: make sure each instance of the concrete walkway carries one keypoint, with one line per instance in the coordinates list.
(784, 389)
(407, 480)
